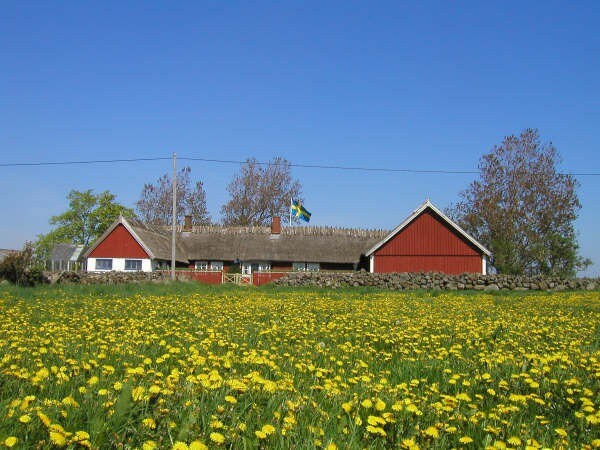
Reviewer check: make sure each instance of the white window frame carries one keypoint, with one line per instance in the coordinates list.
(298, 267)
(250, 267)
(264, 266)
(306, 267)
(103, 260)
(313, 267)
(138, 264)
(201, 265)
(216, 266)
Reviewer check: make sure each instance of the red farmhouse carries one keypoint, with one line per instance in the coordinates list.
(428, 241)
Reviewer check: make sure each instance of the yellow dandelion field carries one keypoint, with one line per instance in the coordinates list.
(253, 368)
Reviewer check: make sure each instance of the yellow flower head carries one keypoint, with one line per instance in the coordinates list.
(432, 432)
(367, 403)
(10, 441)
(149, 445)
(198, 445)
(180, 446)
(149, 422)
(217, 438)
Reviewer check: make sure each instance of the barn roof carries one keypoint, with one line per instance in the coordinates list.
(301, 244)
(416, 213)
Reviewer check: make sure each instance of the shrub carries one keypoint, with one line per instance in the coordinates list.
(19, 268)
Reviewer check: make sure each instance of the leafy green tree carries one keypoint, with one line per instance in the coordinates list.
(87, 217)
(523, 209)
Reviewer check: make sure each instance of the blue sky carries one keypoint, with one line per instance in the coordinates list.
(423, 85)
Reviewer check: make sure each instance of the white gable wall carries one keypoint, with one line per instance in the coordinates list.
(118, 265)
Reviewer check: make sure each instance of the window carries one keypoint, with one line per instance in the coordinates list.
(133, 264)
(161, 265)
(308, 267)
(298, 267)
(104, 264)
(201, 265)
(216, 266)
(312, 267)
(264, 266)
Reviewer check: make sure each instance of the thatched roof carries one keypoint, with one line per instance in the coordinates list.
(158, 241)
(219, 243)
(300, 244)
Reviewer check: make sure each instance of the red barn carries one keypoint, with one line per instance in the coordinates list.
(428, 241)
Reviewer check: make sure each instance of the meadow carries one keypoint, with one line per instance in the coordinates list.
(189, 367)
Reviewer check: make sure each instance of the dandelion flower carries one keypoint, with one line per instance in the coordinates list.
(230, 399)
(514, 440)
(218, 438)
(260, 434)
(561, 432)
(198, 445)
(268, 429)
(149, 445)
(149, 422)
(465, 440)
(25, 418)
(10, 441)
(432, 432)
(367, 403)
(180, 446)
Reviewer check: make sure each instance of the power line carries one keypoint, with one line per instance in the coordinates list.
(66, 163)
(232, 161)
(321, 166)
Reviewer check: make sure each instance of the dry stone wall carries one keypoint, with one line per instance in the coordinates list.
(430, 280)
(104, 277)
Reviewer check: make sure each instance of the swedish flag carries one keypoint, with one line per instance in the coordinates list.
(299, 211)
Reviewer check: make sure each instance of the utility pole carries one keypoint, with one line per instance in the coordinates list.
(174, 216)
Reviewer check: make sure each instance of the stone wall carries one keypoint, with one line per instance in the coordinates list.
(430, 280)
(104, 277)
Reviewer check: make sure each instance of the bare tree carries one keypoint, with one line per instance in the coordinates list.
(523, 209)
(259, 192)
(156, 201)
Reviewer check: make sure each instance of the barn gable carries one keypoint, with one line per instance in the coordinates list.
(119, 241)
(428, 241)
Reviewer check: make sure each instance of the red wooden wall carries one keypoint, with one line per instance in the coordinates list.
(427, 244)
(119, 244)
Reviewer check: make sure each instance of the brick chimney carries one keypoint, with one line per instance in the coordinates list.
(276, 225)
(187, 223)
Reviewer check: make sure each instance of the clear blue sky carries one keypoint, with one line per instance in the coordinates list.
(421, 85)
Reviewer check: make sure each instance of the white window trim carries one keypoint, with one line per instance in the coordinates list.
(201, 265)
(216, 266)
(133, 270)
(104, 259)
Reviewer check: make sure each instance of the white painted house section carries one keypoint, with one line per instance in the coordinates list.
(118, 265)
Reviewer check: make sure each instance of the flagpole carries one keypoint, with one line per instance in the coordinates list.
(291, 211)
